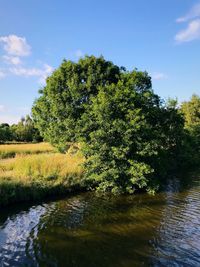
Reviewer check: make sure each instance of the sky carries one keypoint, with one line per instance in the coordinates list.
(161, 37)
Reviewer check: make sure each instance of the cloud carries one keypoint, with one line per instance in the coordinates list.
(2, 74)
(46, 72)
(15, 45)
(26, 72)
(192, 32)
(33, 72)
(2, 108)
(11, 119)
(12, 114)
(12, 60)
(193, 13)
(78, 53)
(159, 76)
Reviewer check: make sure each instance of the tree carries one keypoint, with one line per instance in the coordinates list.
(128, 135)
(191, 112)
(25, 131)
(130, 138)
(5, 133)
(57, 112)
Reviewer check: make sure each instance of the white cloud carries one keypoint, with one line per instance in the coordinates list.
(192, 32)
(28, 72)
(46, 72)
(12, 60)
(11, 119)
(78, 53)
(159, 76)
(193, 13)
(2, 74)
(15, 45)
(2, 108)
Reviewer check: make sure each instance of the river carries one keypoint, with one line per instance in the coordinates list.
(106, 231)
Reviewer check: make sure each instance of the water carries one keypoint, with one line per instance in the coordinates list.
(108, 231)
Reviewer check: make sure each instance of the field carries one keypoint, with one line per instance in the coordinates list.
(11, 150)
(35, 171)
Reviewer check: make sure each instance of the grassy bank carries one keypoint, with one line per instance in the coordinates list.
(36, 172)
(11, 150)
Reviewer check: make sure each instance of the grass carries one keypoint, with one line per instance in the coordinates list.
(11, 150)
(37, 171)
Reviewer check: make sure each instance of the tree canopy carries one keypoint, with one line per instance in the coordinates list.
(191, 111)
(5, 133)
(23, 131)
(57, 112)
(128, 135)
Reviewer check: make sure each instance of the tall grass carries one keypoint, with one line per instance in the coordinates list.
(11, 150)
(35, 176)
(44, 166)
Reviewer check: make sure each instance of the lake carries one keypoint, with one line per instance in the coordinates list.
(109, 231)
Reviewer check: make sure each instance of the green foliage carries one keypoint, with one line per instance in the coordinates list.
(5, 133)
(57, 112)
(134, 138)
(191, 112)
(25, 131)
(128, 135)
(172, 103)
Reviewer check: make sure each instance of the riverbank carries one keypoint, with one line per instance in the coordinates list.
(36, 171)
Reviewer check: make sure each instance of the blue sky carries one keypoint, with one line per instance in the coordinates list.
(159, 36)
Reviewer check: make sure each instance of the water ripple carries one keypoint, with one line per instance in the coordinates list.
(89, 230)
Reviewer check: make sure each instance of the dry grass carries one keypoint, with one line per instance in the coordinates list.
(11, 150)
(44, 167)
(34, 174)
(41, 166)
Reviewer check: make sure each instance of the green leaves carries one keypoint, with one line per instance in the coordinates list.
(191, 112)
(113, 149)
(5, 133)
(128, 136)
(69, 91)
(25, 131)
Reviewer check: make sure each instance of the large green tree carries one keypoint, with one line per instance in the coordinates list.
(129, 136)
(131, 139)
(57, 112)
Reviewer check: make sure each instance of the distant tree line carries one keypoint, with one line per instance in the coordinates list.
(23, 131)
(191, 113)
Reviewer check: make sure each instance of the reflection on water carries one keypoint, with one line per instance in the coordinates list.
(108, 231)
